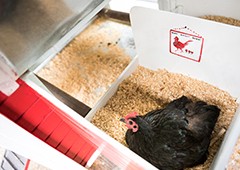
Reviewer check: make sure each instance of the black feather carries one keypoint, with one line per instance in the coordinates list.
(175, 137)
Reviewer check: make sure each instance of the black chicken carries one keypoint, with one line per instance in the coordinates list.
(175, 137)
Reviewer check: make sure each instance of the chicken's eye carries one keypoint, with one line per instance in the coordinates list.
(130, 122)
(132, 125)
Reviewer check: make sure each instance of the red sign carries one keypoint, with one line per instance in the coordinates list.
(186, 43)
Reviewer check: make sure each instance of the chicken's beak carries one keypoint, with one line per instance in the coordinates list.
(122, 120)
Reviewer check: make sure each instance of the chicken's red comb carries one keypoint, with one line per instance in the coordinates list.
(131, 115)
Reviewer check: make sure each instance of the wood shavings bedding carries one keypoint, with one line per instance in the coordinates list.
(222, 19)
(90, 63)
(234, 162)
(146, 90)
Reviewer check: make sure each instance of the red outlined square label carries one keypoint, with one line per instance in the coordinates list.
(185, 44)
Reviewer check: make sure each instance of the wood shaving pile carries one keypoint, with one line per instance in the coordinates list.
(222, 19)
(146, 90)
(90, 63)
(234, 162)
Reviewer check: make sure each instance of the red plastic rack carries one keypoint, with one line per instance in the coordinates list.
(40, 117)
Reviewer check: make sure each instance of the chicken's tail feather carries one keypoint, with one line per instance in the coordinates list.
(202, 112)
(186, 43)
(206, 112)
(179, 103)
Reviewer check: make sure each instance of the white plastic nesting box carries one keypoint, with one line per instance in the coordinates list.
(213, 57)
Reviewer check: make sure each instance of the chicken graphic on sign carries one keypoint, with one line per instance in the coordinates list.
(180, 45)
(186, 43)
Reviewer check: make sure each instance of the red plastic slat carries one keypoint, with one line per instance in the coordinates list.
(83, 153)
(78, 159)
(47, 126)
(2, 97)
(77, 145)
(67, 142)
(46, 121)
(19, 102)
(34, 115)
(88, 156)
(58, 134)
(27, 164)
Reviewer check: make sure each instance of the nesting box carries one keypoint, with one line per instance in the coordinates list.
(201, 57)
